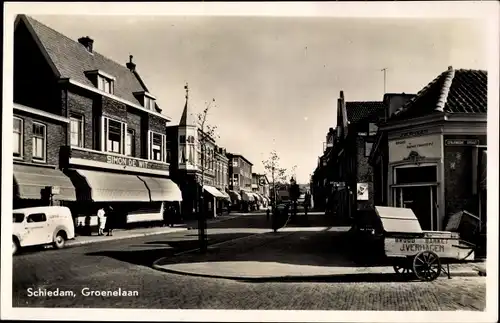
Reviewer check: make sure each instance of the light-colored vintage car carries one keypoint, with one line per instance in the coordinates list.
(41, 226)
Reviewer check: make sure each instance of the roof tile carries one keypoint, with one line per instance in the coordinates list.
(358, 110)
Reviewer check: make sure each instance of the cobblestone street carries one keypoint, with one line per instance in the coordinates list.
(126, 264)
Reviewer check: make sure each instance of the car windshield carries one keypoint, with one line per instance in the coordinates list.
(18, 217)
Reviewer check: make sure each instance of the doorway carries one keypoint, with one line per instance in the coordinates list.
(422, 200)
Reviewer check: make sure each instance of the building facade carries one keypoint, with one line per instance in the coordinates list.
(198, 166)
(435, 148)
(109, 134)
(240, 181)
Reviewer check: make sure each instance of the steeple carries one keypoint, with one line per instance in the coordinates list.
(187, 118)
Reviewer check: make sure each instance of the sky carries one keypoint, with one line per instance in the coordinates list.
(276, 80)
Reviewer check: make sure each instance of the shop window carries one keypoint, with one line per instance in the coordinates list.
(422, 174)
(39, 141)
(368, 148)
(17, 134)
(76, 129)
(130, 143)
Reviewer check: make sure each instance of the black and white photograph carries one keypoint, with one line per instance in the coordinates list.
(276, 161)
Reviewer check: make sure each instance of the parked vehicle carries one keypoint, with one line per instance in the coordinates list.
(42, 225)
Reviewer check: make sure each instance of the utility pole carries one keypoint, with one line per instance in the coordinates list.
(385, 78)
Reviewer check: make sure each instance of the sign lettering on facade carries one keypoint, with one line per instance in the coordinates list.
(461, 142)
(116, 160)
(413, 133)
(424, 146)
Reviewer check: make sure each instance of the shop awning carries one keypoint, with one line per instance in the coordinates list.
(162, 189)
(213, 191)
(226, 196)
(235, 196)
(112, 187)
(247, 196)
(29, 182)
(258, 197)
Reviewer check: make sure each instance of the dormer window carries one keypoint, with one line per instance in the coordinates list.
(102, 80)
(105, 84)
(149, 103)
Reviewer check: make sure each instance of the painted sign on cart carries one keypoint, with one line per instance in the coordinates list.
(446, 248)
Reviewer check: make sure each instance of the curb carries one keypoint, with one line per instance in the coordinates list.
(137, 235)
(304, 278)
(73, 243)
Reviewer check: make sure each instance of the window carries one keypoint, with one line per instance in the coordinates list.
(236, 180)
(182, 139)
(39, 135)
(157, 144)
(149, 103)
(17, 134)
(169, 152)
(130, 143)
(17, 217)
(372, 129)
(368, 148)
(114, 136)
(36, 217)
(76, 128)
(235, 163)
(105, 84)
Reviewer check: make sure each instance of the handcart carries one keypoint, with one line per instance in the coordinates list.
(418, 253)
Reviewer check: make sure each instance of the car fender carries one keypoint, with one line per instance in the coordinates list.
(60, 228)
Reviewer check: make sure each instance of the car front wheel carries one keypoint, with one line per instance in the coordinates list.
(59, 240)
(15, 246)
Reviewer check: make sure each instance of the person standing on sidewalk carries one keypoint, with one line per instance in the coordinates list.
(101, 221)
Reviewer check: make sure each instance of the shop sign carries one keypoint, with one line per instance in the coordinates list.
(461, 142)
(362, 191)
(125, 161)
(424, 146)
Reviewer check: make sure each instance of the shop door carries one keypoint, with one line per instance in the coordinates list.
(422, 201)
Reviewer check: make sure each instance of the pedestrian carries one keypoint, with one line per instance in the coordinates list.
(101, 221)
(268, 213)
(110, 220)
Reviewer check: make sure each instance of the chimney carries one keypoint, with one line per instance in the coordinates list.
(130, 65)
(87, 42)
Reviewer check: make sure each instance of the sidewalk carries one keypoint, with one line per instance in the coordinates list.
(119, 234)
(286, 255)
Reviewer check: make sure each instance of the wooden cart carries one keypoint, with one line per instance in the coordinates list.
(413, 251)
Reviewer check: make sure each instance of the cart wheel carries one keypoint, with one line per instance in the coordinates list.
(401, 269)
(426, 265)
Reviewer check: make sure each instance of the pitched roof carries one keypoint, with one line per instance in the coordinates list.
(453, 91)
(72, 60)
(187, 117)
(359, 110)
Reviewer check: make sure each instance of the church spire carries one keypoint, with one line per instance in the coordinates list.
(186, 118)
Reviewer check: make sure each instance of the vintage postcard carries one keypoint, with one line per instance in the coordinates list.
(329, 161)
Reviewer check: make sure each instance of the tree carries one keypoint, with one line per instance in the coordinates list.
(278, 174)
(206, 134)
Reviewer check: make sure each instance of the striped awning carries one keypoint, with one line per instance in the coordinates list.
(213, 191)
(247, 196)
(235, 196)
(113, 187)
(30, 181)
(162, 189)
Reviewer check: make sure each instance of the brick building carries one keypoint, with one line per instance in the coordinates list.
(106, 132)
(435, 150)
(240, 181)
(185, 148)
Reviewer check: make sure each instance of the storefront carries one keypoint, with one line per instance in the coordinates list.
(437, 174)
(40, 186)
(138, 190)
